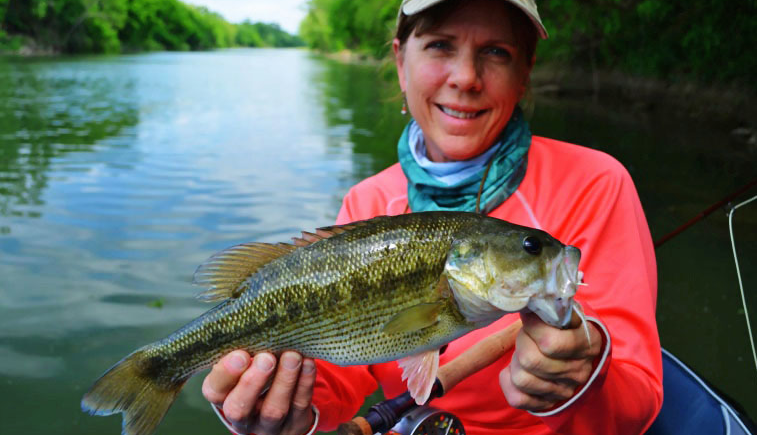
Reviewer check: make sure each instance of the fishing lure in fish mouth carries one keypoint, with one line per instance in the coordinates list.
(386, 289)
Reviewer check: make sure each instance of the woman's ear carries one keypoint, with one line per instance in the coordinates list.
(399, 61)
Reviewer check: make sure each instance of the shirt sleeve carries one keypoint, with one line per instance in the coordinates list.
(608, 224)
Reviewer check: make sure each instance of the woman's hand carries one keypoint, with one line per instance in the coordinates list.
(237, 384)
(548, 363)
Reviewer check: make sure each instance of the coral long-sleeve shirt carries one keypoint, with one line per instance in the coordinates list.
(584, 198)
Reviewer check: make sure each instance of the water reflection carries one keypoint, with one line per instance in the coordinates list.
(364, 107)
(50, 110)
(29, 366)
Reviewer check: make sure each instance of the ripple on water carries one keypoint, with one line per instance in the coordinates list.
(17, 364)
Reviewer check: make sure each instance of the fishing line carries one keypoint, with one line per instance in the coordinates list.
(738, 273)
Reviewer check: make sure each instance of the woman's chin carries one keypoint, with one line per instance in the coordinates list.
(452, 147)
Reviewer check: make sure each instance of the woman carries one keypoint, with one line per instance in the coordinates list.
(463, 66)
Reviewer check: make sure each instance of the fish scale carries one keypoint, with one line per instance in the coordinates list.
(368, 292)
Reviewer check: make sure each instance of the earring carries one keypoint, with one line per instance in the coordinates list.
(404, 106)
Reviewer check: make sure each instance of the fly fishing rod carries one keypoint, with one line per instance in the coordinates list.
(383, 416)
(704, 213)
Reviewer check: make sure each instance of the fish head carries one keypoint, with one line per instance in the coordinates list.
(510, 270)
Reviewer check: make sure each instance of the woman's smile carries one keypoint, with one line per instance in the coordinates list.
(460, 113)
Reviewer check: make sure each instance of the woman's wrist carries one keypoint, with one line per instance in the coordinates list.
(316, 415)
(219, 412)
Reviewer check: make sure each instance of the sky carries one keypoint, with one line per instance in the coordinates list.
(286, 13)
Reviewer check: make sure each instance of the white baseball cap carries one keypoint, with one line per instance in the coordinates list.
(412, 7)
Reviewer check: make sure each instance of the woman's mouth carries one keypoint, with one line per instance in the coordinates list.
(460, 114)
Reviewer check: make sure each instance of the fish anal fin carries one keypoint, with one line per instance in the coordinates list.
(420, 372)
(224, 274)
(414, 318)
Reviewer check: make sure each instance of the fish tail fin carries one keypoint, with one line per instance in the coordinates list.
(130, 387)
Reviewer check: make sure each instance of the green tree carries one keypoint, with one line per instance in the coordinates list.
(365, 26)
(109, 26)
(704, 40)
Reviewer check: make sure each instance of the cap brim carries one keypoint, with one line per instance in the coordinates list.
(412, 7)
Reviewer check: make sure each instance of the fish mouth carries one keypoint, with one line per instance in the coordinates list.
(555, 306)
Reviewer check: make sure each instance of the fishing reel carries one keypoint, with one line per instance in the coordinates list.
(425, 420)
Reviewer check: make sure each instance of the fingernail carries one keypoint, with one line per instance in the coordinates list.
(308, 366)
(238, 362)
(290, 361)
(264, 362)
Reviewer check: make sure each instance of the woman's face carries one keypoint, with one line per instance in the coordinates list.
(463, 79)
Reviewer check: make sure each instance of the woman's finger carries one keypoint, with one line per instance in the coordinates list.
(241, 401)
(224, 376)
(543, 388)
(519, 399)
(528, 356)
(561, 343)
(300, 418)
(279, 398)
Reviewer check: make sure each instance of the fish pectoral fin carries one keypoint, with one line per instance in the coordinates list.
(414, 318)
(420, 372)
(225, 273)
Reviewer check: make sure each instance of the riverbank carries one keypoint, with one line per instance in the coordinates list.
(733, 108)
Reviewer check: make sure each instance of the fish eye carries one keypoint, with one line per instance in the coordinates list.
(532, 245)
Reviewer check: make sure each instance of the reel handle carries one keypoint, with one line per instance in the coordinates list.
(384, 415)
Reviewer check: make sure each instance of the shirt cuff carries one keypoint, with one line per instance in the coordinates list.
(222, 417)
(603, 361)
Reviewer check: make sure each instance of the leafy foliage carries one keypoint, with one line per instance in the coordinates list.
(707, 40)
(366, 26)
(111, 26)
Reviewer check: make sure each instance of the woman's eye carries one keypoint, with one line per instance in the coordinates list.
(439, 45)
(498, 52)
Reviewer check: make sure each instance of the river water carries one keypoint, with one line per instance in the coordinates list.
(119, 175)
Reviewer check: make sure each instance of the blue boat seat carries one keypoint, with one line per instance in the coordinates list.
(692, 407)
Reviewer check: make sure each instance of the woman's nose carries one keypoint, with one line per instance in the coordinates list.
(464, 74)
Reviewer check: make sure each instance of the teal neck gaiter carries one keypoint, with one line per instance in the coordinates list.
(426, 192)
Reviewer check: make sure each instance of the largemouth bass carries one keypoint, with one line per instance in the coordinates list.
(389, 288)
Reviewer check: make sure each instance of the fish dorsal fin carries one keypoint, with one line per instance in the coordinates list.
(414, 318)
(309, 238)
(333, 230)
(225, 273)
(420, 372)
